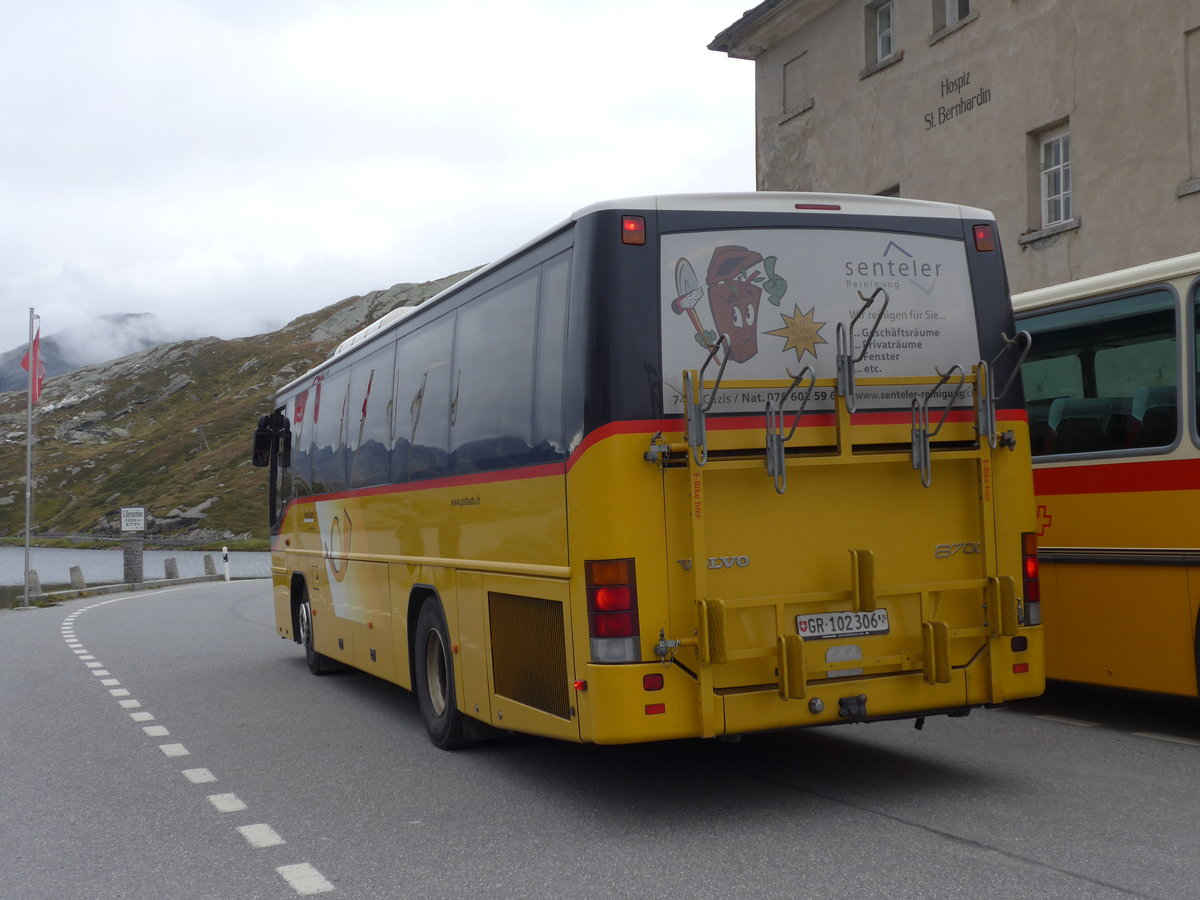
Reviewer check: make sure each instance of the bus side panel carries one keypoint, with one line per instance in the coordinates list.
(616, 503)
(1128, 624)
(281, 594)
(1122, 633)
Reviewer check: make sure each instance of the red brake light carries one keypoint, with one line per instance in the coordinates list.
(652, 682)
(1029, 579)
(633, 230)
(611, 598)
(985, 238)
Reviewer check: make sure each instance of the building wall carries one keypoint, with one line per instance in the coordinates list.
(1120, 74)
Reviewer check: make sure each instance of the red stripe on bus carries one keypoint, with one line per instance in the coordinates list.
(677, 425)
(1119, 477)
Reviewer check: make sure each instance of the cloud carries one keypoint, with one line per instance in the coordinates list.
(235, 165)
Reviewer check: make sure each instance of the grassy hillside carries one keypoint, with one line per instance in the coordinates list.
(169, 428)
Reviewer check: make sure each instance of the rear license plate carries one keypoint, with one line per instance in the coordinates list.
(843, 624)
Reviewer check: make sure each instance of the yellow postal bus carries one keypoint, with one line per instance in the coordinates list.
(681, 466)
(1112, 394)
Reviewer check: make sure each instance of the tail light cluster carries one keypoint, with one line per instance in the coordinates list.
(612, 611)
(1029, 579)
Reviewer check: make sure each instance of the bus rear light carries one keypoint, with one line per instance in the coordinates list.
(581, 685)
(633, 230)
(1029, 579)
(652, 682)
(655, 709)
(1020, 668)
(985, 238)
(612, 610)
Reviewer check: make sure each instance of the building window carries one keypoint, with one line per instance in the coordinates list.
(880, 48)
(884, 43)
(953, 12)
(1056, 176)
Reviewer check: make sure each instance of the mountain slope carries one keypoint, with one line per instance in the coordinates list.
(102, 338)
(169, 428)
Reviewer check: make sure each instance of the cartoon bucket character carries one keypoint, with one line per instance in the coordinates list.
(736, 280)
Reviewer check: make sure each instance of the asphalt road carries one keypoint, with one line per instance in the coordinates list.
(169, 745)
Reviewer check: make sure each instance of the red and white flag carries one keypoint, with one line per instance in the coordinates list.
(35, 351)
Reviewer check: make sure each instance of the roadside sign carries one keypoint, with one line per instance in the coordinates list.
(133, 518)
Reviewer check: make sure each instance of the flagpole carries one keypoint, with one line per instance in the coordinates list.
(29, 455)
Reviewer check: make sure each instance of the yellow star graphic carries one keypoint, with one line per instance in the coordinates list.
(801, 332)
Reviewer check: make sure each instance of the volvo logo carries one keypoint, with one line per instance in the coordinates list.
(719, 562)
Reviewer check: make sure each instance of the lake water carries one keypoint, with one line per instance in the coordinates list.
(53, 564)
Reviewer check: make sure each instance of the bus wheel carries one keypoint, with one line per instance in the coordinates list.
(318, 663)
(435, 678)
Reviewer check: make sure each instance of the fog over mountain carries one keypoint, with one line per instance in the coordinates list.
(102, 339)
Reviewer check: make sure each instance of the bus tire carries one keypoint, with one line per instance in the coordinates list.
(318, 663)
(434, 678)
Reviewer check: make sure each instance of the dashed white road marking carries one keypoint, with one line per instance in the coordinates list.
(226, 802)
(1063, 720)
(260, 836)
(305, 879)
(1170, 738)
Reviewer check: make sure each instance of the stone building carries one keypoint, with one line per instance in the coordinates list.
(1076, 121)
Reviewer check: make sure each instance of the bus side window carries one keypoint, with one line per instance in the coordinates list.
(421, 417)
(367, 426)
(1103, 375)
(549, 441)
(492, 416)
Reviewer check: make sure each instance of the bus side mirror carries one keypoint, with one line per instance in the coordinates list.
(262, 442)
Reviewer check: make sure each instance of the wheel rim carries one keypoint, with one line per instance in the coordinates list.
(435, 672)
(305, 626)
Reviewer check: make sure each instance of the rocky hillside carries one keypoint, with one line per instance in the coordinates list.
(169, 428)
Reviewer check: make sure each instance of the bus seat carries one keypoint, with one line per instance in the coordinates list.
(1041, 438)
(1121, 428)
(1156, 410)
(1079, 424)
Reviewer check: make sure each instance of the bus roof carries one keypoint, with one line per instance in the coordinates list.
(1109, 282)
(754, 201)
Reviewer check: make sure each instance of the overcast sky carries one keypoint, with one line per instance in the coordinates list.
(231, 164)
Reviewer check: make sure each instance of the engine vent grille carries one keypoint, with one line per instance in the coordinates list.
(529, 657)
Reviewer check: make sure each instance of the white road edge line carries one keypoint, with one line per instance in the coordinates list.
(174, 750)
(1190, 742)
(260, 836)
(227, 802)
(1063, 720)
(305, 879)
(199, 776)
